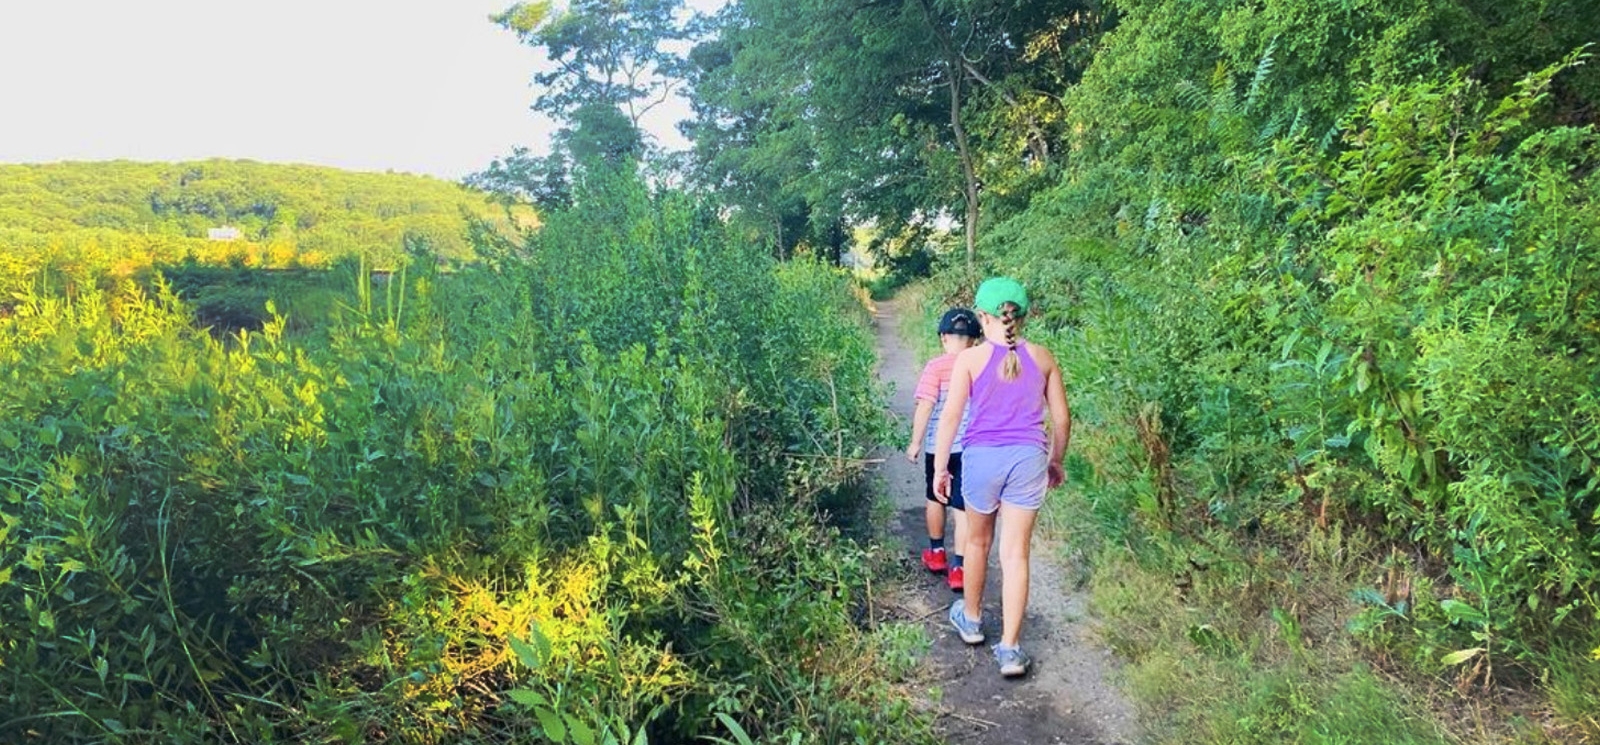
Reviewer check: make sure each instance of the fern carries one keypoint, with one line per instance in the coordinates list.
(1258, 83)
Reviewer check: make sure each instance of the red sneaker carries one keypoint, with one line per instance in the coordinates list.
(955, 579)
(933, 559)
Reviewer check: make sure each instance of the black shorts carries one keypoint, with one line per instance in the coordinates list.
(955, 480)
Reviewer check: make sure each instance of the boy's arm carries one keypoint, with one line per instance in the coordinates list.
(919, 428)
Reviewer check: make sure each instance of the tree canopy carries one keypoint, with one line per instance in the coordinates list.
(610, 64)
(896, 114)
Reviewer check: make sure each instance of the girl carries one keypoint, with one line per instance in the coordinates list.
(1010, 460)
(958, 330)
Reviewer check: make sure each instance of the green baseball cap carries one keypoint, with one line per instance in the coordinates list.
(997, 291)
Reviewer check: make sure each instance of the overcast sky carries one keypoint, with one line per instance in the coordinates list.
(424, 86)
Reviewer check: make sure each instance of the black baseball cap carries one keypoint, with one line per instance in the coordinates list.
(961, 322)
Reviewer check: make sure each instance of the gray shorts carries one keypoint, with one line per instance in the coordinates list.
(1017, 475)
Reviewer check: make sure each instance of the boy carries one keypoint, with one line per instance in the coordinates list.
(958, 330)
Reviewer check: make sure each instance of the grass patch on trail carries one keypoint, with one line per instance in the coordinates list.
(1251, 643)
(1209, 673)
(1572, 682)
(1230, 642)
(919, 320)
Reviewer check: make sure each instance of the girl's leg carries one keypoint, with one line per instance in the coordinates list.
(980, 536)
(1016, 536)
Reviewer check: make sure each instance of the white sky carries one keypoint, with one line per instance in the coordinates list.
(423, 86)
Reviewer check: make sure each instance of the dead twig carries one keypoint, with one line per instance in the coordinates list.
(930, 614)
(984, 723)
(839, 458)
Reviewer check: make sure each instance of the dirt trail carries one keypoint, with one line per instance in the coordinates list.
(1066, 697)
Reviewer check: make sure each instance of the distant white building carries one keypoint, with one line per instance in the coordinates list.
(856, 258)
(224, 233)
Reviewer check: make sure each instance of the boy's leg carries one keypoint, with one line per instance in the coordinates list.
(1016, 536)
(955, 575)
(933, 511)
(934, 516)
(933, 557)
(958, 508)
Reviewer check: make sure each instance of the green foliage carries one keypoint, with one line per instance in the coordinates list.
(814, 116)
(478, 506)
(607, 55)
(1316, 281)
(610, 64)
(1573, 674)
(120, 216)
(1419, 307)
(1224, 663)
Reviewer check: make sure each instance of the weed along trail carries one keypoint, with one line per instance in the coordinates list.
(1066, 697)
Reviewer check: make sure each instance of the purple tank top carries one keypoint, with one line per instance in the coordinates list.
(1007, 412)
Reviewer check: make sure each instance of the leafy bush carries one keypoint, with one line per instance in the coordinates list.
(568, 494)
(1388, 325)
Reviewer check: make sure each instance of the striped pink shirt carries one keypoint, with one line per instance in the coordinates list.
(934, 385)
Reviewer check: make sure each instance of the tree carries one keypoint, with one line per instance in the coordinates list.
(604, 52)
(784, 148)
(861, 111)
(523, 177)
(612, 63)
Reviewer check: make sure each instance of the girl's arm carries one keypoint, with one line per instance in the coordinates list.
(919, 428)
(954, 404)
(1055, 396)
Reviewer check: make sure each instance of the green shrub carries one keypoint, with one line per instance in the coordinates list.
(612, 446)
(1270, 329)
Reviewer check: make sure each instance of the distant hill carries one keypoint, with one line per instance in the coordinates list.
(129, 215)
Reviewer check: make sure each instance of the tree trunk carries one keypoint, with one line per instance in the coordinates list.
(969, 169)
(1038, 145)
(777, 221)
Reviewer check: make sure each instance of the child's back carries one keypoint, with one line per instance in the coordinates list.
(958, 329)
(934, 385)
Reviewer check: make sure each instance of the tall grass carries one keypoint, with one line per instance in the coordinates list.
(570, 493)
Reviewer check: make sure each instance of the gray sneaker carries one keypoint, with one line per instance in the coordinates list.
(969, 629)
(1013, 661)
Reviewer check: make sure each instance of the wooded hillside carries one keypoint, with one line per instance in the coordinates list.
(282, 214)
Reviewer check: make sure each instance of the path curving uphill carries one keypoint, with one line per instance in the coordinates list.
(1066, 697)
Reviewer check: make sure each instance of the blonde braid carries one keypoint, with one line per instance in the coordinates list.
(1011, 366)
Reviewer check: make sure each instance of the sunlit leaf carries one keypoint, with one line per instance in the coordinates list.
(527, 698)
(582, 733)
(551, 722)
(1460, 611)
(740, 737)
(1461, 655)
(531, 657)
